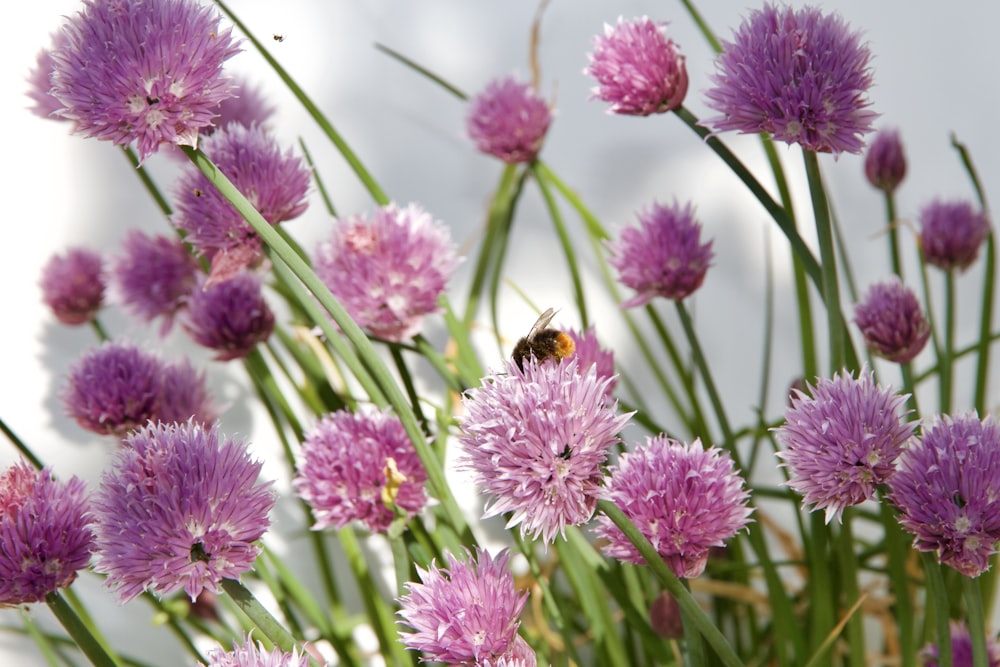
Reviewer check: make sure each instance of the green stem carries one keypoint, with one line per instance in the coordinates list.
(976, 621)
(897, 553)
(258, 613)
(947, 363)
(80, 633)
(890, 214)
(849, 585)
(20, 446)
(937, 604)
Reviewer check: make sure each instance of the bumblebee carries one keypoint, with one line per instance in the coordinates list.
(543, 343)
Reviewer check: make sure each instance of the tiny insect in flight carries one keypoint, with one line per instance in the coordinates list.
(279, 38)
(543, 342)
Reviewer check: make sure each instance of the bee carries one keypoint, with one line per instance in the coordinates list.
(544, 343)
(279, 38)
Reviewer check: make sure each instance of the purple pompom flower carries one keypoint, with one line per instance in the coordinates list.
(536, 440)
(885, 162)
(588, 352)
(180, 508)
(118, 387)
(638, 69)
(951, 233)
(146, 72)
(798, 75)
(464, 614)
(388, 271)
(73, 285)
(40, 81)
(249, 654)
(961, 649)
(947, 490)
(664, 256)
(842, 441)
(230, 317)
(45, 535)
(683, 498)
(345, 472)
(153, 276)
(892, 322)
(274, 182)
(508, 120)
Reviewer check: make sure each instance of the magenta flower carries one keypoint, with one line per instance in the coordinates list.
(638, 69)
(357, 467)
(153, 276)
(892, 322)
(885, 162)
(842, 441)
(536, 440)
(463, 614)
(961, 649)
(275, 182)
(951, 234)
(45, 535)
(230, 317)
(73, 285)
(664, 256)
(590, 353)
(249, 654)
(798, 75)
(683, 498)
(118, 387)
(508, 120)
(248, 106)
(145, 72)
(388, 271)
(947, 490)
(40, 81)
(180, 508)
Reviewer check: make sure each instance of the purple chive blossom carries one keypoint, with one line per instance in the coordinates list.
(508, 120)
(798, 75)
(590, 353)
(947, 490)
(891, 322)
(40, 81)
(248, 106)
(275, 182)
(145, 72)
(388, 271)
(345, 472)
(841, 440)
(45, 535)
(73, 285)
(118, 387)
(638, 69)
(885, 162)
(683, 498)
(230, 317)
(464, 614)
(180, 508)
(961, 649)
(951, 234)
(536, 441)
(664, 256)
(153, 276)
(249, 654)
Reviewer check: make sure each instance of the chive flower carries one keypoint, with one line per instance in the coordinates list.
(891, 321)
(73, 285)
(885, 161)
(951, 233)
(508, 120)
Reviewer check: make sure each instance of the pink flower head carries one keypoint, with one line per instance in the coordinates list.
(388, 271)
(961, 649)
(275, 182)
(947, 490)
(40, 81)
(842, 441)
(508, 120)
(638, 69)
(249, 654)
(892, 322)
(45, 535)
(537, 439)
(798, 75)
(464, 614)
(683, 498)
(248, 106)
(184, 395)
(589, 352)
(146, 72)
(180, 508)
(664, 256)
(230, 317)
(951, 234)
(885, 162)
(153, 276)
(357, 467)
(73, 285)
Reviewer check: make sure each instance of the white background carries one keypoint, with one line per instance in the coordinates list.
(935, 73)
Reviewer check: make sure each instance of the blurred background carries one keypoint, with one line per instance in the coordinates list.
(935, 75)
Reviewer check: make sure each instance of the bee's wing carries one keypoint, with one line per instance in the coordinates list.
(541, 323)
